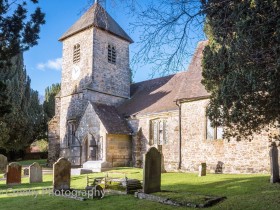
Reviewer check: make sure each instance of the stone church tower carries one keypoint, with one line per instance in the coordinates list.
(95, 69)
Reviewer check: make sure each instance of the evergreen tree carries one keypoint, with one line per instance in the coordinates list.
(23, 124)
(18, 33)
(241, 65)
(49, 103)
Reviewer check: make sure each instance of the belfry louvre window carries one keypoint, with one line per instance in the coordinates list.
(112, 54)
(158, 132)
(76, 54)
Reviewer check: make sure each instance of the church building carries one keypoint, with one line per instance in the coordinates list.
(103, 120)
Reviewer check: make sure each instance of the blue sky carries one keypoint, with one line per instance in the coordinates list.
(43, 62)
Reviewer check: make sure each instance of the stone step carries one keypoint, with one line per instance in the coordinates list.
(80, 171)
(96, 166)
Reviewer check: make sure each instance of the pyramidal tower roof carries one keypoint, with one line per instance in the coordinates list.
(96, 16)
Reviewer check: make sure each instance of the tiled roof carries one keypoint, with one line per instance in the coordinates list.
(98, 17)
(111, 119)
(159, 95)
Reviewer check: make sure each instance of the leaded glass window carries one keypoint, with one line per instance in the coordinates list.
(158, 131)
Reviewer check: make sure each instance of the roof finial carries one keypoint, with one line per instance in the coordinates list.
(96, 1)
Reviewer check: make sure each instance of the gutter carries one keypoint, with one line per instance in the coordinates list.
(180, 134)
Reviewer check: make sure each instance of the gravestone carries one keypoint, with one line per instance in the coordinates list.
(26, 171)
(3, 163)
(274, 165)
(219, 167)
(152, 171)
(35, 173)
(13, 174)
(202, 169)
(61, 174)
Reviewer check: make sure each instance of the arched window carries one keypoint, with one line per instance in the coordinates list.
(76, 53)
(112, 54)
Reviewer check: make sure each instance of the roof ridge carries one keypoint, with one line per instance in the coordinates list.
(91, 18)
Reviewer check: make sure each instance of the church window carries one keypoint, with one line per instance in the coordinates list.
(158, 132)
(71, 128)
(76, 54)
(213, 133)
(112, 54)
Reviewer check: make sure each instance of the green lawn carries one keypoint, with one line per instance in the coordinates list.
(29, 162)
(242, 192)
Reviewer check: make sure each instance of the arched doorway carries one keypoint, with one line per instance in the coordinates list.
(91, 150)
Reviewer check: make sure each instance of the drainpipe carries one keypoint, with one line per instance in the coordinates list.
(180, 134)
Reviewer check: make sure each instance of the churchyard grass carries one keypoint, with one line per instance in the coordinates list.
(42, 162)
(242, 192)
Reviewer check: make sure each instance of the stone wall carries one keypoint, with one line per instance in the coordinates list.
(89, 127)
(71, 108)
(93, 96)
(54, 144)
(108, 77)
(221, 156)
(68, 83)
(98, 81)
(229, 157)
(141, 129)
(118, 151)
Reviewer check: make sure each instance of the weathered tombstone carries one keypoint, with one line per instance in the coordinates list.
(152, 171)
(26, 171)
(202, 169)
(13, 174)
(35, 173)
(3, 163)
(274, 165)
(219, 167)
(61, 174)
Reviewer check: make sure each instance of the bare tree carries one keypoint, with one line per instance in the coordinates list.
(167, 28)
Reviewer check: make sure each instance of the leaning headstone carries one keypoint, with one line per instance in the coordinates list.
(202, 169)
(13, 174)
(35, 173)
(274, 165)
(61, 174)
(152, 171)
(3, 163)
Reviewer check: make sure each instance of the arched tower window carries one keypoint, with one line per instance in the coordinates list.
(112, 54)
(76, 53)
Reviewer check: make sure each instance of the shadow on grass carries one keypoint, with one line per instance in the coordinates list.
(27, 185)
(242, 192)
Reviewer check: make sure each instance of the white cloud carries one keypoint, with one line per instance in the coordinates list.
(54, 64)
